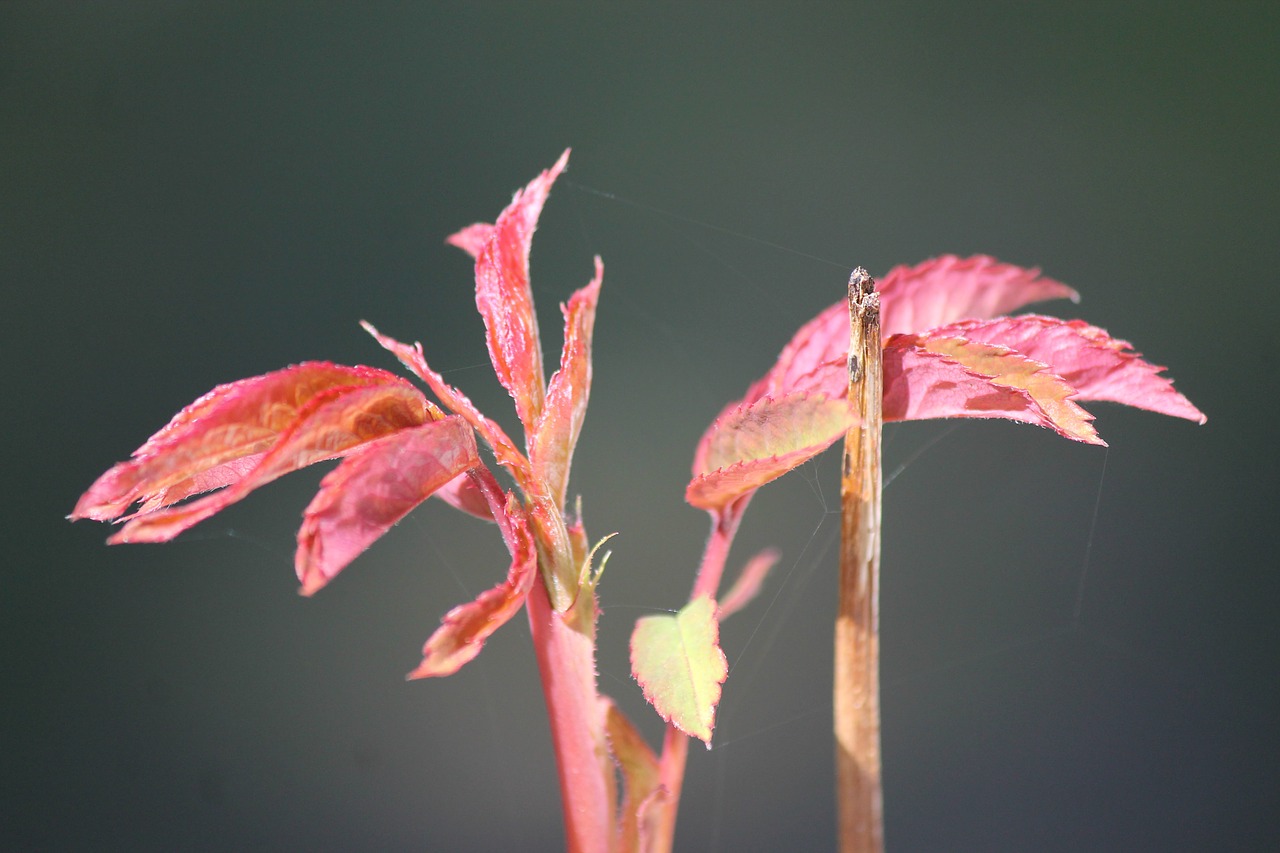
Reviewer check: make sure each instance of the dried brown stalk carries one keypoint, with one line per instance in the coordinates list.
(860, 804)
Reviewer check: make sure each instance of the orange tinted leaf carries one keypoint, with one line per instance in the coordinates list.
(1013, 370)
(374, 488)
(505, 299)
(919, 385)
(465, 628)
(641, 777)
(1096, 365)
(949, 377)
(220, 437)
(677, 660)
(756, 443)
(552, 444)
(329, 425)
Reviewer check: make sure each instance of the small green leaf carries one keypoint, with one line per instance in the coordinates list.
(677, 660)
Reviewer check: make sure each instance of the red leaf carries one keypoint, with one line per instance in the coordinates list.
(912, 299)
(465, 628)
(755, 443)
(950, 377)
(946, 289)
(221, 437)
(552, 444)
(374, 488)
(505, 299)
(813, 360)
(1096, 365)
(462, 493)
(1042, 368)
(455, 401)
(331, 424)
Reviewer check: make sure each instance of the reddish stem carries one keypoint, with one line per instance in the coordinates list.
(675, 745)
(724, 526)
(675, 753)
(565, 648)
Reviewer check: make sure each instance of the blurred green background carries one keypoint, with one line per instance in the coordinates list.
(192, 193)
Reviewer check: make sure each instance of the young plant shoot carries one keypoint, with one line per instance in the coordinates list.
(932, 343)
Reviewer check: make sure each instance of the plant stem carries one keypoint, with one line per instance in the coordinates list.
(675, 745)
(565, 648)
(860, 798)
(675, 753)
(724, 526)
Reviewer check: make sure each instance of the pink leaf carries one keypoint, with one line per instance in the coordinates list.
(455, 401)
(912, 299)
(818, 349)
(462, 493)
(748, 584)
(1096, 365)
(553, 442)
(677, 660)
(950, 377)
(505, 299)
(472, 238)
(946, 289)
(222, 436)
(465, 628)
(755, 443)
(331, 424)
(1031, 369)
(374, 488)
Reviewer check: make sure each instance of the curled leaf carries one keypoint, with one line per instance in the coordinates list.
(755, 443)
(1096, 365)
(462, 493)
(465, 628)
(948, 377)
(676, 659)
(505, 300)
(373, 489)
(1005, 368)
(328, 426)
(221, 437)
(503, 448)
(552, 443)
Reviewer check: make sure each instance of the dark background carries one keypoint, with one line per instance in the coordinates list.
(191, 193)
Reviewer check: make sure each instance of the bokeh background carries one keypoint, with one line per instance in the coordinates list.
(1079, 644)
